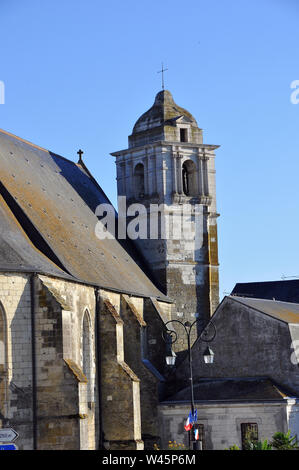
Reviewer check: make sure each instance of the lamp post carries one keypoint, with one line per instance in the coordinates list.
(170, 337)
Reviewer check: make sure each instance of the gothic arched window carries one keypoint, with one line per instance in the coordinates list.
(189, 177)
(139, 180)
(86, 353)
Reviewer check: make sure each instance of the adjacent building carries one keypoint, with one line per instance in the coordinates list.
(254, 379)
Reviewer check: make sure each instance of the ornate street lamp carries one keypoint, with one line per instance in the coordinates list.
(170, 360)
(170, 337)
(208, 356)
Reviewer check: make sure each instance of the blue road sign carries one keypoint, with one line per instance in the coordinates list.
(8, 447)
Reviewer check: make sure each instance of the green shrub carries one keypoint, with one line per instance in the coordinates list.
(281, 441)
(259, 445)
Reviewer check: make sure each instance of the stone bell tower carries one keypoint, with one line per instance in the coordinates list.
(169, 170)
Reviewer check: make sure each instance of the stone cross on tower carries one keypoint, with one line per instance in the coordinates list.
(162, 71)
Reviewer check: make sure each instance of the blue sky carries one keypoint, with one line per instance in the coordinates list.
(79, 74)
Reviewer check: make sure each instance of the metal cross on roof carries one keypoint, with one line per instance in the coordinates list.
(162, 71)
(80, 153)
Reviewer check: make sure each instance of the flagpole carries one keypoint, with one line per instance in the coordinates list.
(191, 432)
(170, 338)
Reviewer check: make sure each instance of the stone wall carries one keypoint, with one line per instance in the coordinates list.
(76, 301)
(17, 372)
(120, 391)
(130, 370)
(134, 326)
(57, 404)
(66, 399)
(293, 417)
(222, 422)
(248, 343)
(61, 407)
(58, 310)
(154, 346)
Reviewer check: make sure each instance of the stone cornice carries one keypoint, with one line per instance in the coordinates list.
(165, 143)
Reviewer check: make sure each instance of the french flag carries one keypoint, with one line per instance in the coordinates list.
(189, 422)
(196, 434)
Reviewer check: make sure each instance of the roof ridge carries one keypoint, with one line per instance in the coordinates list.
(260, 298)
(237, 377)
(264, 282)
(10, 134)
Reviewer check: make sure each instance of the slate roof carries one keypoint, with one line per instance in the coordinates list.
(232, 389)
(286, 291)
(285, 311)
(17, 253)
(48, 222)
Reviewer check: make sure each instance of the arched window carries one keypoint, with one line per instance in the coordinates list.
(3, 361)
(86, 354)
(139, 180)
(189, 177)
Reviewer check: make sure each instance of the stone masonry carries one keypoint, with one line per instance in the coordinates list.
(52, 401)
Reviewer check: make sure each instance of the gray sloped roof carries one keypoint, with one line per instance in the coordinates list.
(233, 389)
(286, 291)
(17, 253)
(284, 311)
(54, 200)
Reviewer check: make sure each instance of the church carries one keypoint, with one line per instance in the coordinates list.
(83, 317)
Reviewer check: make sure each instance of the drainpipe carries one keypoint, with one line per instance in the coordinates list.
(99, 364)
(34, 392)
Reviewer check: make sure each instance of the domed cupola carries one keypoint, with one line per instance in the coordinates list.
(165, 121)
